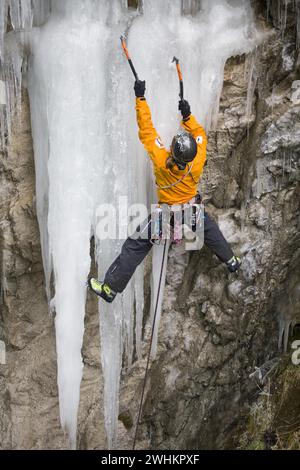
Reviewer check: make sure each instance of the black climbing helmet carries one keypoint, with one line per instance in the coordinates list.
(183, 148)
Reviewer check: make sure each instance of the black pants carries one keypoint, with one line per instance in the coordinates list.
(136, 249)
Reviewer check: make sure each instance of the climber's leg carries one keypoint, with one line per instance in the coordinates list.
(215, 240)
(122, 269)
(134, 250)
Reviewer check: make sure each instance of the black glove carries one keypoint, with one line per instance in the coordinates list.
(140, 88)
(185, 108)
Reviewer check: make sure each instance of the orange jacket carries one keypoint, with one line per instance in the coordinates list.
(187, 188)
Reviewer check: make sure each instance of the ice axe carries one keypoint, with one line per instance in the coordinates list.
(179, 76)
(128, 57)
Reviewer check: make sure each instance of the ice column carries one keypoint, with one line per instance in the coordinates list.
(67, 95)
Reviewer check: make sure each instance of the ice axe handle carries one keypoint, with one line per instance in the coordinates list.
(179, 76)
(128, 57)
(181, 90)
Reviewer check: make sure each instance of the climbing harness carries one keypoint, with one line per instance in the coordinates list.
(150, 347)
(173, 221)
(189, 218)
(177, 224)
(195, 216)
(157, 224)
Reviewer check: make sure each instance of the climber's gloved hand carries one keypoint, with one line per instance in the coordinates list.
(185, 108)
(140, 88)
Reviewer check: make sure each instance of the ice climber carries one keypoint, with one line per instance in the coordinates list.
(177, 174)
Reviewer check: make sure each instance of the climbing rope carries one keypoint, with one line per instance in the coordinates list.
(150, 347)
(190, 167)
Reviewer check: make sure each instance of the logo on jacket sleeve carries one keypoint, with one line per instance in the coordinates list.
(199, 139)
(159, 143)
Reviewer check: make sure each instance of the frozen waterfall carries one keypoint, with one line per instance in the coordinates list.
(86, 147)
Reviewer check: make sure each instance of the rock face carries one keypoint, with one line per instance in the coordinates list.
(216, 327)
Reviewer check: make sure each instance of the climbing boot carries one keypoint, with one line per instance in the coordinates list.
(102, 290)
(233, 264)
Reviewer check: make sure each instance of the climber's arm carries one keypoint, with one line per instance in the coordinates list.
(192, 126)
(148, 135)
(147, 132)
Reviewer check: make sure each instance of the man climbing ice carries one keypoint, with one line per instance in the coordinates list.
(177, 174)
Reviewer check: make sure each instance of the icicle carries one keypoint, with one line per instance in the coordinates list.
(21, 14)
(260, 170)
(3, 127)
(283, 168)
(67, 73)
(252, 81)
(282, 14)
(111, 354)
(284, 17)
(268, 9)
(286, 334)
(128, 322)
(3, 286)
(3, 120)
(157, 264)
(298, 21)
(12, 74)
(284, 331)
(3, 24)
(190, 7)
(12, 56)
(139, 308)
(290, 162)
(41, 11)
(273, 100)
(279, 17)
